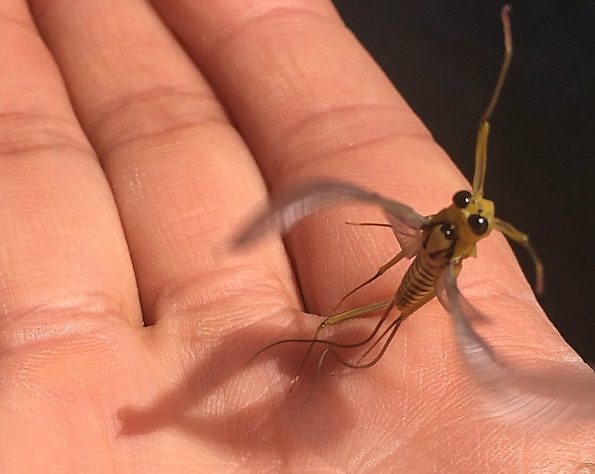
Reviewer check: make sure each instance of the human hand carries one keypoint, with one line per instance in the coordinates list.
(127, 162)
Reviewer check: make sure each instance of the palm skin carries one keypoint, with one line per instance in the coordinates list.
(129, 158)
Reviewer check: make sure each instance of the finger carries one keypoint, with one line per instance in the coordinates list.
(180, 173)
(63, 250)
(311, 102)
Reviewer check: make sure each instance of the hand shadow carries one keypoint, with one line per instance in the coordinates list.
(273, 422)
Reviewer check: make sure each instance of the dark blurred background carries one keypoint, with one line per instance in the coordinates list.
(444, 57)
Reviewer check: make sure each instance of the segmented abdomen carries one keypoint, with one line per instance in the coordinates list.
(417, 283)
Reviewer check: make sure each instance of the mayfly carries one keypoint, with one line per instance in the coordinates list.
(437, 245)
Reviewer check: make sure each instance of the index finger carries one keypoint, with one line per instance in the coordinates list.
(311, 102)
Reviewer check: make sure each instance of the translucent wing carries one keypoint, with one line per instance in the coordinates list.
(555, 396)
(303, 201)
(409, 238)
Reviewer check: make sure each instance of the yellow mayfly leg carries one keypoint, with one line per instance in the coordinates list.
(481, 155)
(481, 146)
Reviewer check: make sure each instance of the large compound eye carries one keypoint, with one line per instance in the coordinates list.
(478, 224)
(461, 199)
(448, 231)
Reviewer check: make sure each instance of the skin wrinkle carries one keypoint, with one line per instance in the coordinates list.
(24, 307)
(173, 116)
(330, 147)
(189, 295)
(36, 132)
(93, 311)
(228, 33)
(317, 119)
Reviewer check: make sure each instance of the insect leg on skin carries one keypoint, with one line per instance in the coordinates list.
(437, 244)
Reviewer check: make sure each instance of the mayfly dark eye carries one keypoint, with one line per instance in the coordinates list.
(449, 231)
(461, 199)
(479, 224)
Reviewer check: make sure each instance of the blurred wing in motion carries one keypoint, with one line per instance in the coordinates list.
(303, 201)
(546, 397)
(409, 238)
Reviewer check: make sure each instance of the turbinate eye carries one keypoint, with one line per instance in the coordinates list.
(461, 199)
(478, 224)
(449, 231)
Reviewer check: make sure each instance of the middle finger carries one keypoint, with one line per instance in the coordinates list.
(164, 142)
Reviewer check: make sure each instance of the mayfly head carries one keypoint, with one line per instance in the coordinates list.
(472, 215)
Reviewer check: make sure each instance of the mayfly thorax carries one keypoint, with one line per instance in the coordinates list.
(437, 245)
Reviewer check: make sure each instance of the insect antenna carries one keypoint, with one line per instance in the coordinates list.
(481, 157)
(369, 224)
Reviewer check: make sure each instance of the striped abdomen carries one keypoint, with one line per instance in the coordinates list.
(417, 283)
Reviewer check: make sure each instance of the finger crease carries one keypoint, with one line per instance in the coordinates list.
(158, 111)
(263, 15)
(26, 132)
